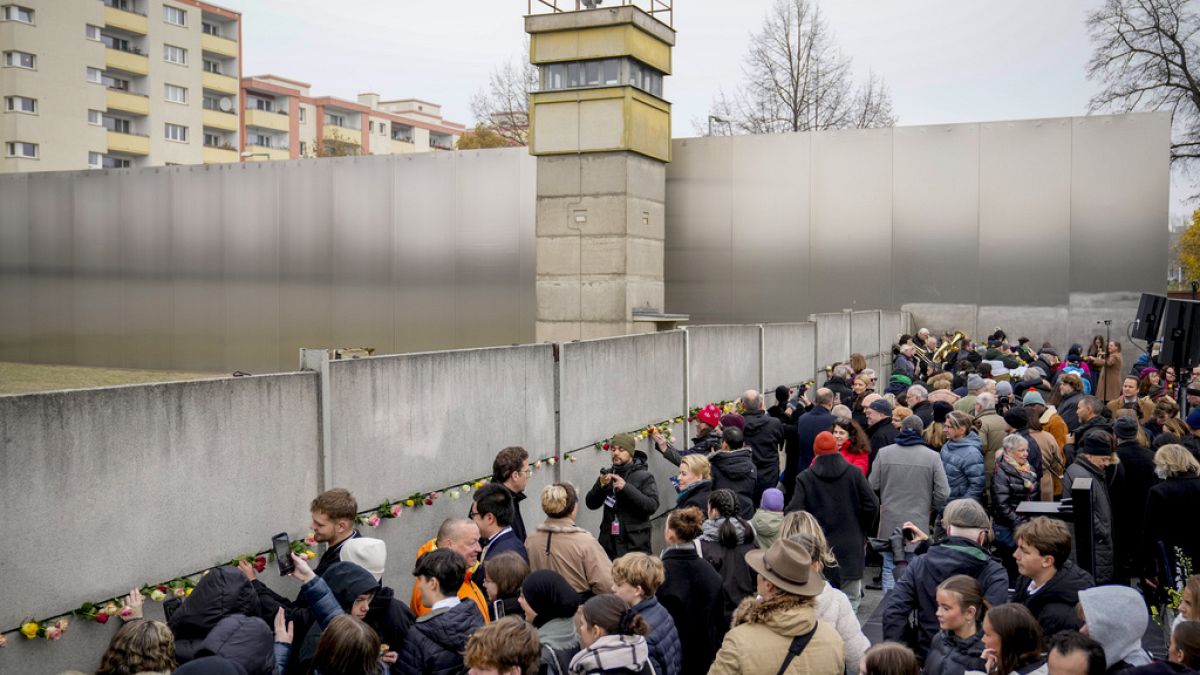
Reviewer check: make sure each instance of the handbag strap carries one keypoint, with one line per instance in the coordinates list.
(797, 647)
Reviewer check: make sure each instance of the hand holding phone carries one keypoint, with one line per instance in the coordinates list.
(283, 554)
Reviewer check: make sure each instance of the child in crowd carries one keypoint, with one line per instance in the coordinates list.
(958, 646)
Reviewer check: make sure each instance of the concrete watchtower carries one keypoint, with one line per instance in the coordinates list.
(601, 131)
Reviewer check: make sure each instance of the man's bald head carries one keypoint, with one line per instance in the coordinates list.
(751, 400)
(462, 536)
(824, 397)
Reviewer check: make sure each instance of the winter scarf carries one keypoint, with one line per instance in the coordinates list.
(628, 652)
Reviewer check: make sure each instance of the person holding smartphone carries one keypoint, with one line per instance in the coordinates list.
(629, 497)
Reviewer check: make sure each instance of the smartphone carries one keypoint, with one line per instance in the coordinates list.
(283, 554)
(170, 605)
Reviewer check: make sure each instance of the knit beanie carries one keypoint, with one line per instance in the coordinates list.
(549, 596)
(941, 410)
(1004, 388)
(733, 420)
(710, 415)
(782, 393)
(1125, 428)
(772, 500)
(1193, 419)
(1017, 418)
(825, 444)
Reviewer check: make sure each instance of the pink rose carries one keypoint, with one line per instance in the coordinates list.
(373, 521)
(53, 633)
(397, 510)
(62, 624)
(311, 539)
(181, 592)
(126, 613)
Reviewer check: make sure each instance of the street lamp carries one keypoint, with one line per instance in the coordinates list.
(719, 119)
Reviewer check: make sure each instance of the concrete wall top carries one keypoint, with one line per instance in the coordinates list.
(138, 484)
(723, 362)
(789, 353)
(613, 383)
(420, 422)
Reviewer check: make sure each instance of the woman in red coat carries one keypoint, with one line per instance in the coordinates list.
(852, 443)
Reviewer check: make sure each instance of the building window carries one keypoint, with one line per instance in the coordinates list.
(94, 75)
(264, 104)
(210, 28)
(212, 140)
(335, 120)
(173, 54)
(115, 163)
(117, 83)
(211, 66)
(176, 132)
(119, 4)
(117, 125)
(371, 127)
(92, 32)
(22, 150)
(22, 104)
(174, 15)
(302, 115)
(17, 59)
(18, 13)
(176, 94)
(95, 160)
(96, 118)
(303, 148)
(261, 140)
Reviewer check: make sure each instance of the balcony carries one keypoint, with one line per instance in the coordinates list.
(129, 144)
(218, 45)
(122, 101)
(217, 119)
(222, 83)
(128, 62)
(124, 20)
(214, 155)
(402, 147)
(342, 134)
(266, 119)
(271, 153)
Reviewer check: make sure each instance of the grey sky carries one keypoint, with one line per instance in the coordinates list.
(944, 60)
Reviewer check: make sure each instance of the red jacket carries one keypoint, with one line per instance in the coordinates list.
(857, 459)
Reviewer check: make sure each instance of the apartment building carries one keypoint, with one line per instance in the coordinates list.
(283, 120)
(118, 83)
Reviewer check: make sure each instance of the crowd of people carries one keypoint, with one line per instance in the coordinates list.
(782, 511)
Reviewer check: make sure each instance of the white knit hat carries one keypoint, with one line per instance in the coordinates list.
(370, 554)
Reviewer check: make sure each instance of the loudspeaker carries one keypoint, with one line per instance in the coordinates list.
(1181, 334)
(1149, 317)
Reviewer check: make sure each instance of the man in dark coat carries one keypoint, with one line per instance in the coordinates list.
(1089, 415)
(764, 435)
(788, 419)
(917, 399)
(837, 494)
(733, 469)
(511, 469)
(1049, 584)
(692, 593)
(436, 642)
(1137, 467)
(492, 511)
(967, 525)
(839, 384)
(880, 431)
(808, 426)
(628, 495)
(1092, 458)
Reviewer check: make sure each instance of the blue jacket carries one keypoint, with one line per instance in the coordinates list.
(665, 651)
(436, 642)
(505, 541)
(916, 590)
(963, 460)
(808, 426)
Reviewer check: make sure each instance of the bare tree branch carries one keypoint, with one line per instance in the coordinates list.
(503, 107)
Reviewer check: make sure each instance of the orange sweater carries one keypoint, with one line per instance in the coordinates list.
(468, 591)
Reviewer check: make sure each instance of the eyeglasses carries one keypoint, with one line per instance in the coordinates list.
(473, 514)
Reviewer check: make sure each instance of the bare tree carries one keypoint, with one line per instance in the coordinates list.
(1147, 54)
(798, 80)
(503, 107)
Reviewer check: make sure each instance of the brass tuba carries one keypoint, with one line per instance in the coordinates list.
(952, 345)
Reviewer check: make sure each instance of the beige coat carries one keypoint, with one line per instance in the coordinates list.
(572, 552)
(762, 633)
(1053, 465)
(992, 429)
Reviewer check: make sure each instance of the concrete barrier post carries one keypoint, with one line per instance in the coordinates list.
(317, 360)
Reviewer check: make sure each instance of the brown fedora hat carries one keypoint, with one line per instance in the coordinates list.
(788, 565)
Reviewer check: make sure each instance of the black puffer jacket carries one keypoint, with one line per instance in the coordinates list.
(245, 640)
(837, 494)
(1068, 409)
(1054, 604)
(734, 470)
(728, 558)
(764, 434)
(222, 592)
(952, 655)
(1010, 487)
(1102, 518)
(695, 495)
(436, 642)
(635, 504)
(882, 434)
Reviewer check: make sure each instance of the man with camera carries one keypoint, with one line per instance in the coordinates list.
(629, 497)
(964, 551)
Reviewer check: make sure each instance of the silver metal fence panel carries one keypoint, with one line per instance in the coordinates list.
(1119, 202)
(199, 322)
(250, 263)
(145, 236)
(770, 228)
(306, 243)
(935, 213)
(1024, 212)
(698, 264)
(362, 261)
(97, 286)
(425, 272)
(16, 280)
(50, 258)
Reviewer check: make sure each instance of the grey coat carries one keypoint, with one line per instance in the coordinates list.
(911, 483)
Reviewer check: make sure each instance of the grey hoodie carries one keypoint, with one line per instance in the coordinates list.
(1116, 618)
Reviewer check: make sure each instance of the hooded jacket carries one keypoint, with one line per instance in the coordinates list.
(763, 435)
(916, 590)
(839, 497)
(665, 653)
(346, 581)
(695, 495)
(766, 527)
(738, 581)
(833, 609)
(911, 483)
(1054, 604)
(962, 459)
(559, 545)
(436, 642)
(245, 640)
(734, 470)
(222, 592)
(952, 655)
(1102, 517)
(763, 631)
(693, 594)
(705, 444)
(1116, 618)
(635, 504)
